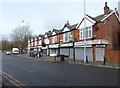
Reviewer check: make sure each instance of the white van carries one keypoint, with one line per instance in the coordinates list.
(15, 51)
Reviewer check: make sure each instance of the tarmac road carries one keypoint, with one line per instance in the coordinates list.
(31, 72)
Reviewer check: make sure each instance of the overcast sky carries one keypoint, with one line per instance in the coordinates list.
(46, 15)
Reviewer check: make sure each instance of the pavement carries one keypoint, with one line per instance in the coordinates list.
(70, 61)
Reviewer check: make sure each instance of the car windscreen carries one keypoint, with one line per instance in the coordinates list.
(16, 50)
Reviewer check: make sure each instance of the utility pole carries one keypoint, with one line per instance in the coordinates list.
(84, 34)
(28, 47)
(74, 46)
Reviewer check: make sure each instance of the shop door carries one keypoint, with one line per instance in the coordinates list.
(99, 54)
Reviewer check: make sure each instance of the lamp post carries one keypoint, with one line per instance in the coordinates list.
(27, 34)
(84, 34)
(60, 45)
(74, 46)
(73, 50)
(72, 39)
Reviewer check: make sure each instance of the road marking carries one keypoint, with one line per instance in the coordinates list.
(12, 80)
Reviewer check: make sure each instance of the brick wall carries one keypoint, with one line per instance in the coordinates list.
(75, 34)
(58, 38)
(110, 30)
(50, 39)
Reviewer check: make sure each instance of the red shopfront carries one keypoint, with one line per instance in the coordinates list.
(95, 50)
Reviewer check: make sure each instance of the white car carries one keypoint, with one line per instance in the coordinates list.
(15, 51)
(8, 53)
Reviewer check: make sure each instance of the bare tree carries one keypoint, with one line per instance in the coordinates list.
(20, 36)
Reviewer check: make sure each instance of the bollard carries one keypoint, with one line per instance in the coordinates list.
(54, 58)
(86, 59)
(104, 61)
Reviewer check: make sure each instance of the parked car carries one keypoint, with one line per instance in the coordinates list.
(15, 51)
(34, 54)
(8, 53)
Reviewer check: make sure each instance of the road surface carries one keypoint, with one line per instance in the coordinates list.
(32, 72)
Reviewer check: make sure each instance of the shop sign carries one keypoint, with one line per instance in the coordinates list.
(100, 45)
(84, 46)
(39, 46)
(99, 41)
(71, 37)
(105, 41)
(54, 46)
(66, 44)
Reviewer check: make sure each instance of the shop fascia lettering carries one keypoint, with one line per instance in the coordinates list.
(66, 44)
(99, 41)
(54, 46)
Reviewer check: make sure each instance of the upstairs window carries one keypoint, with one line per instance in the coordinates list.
(66, 37)
(87, 32)
(40, 42)
(90, 32)
(81, 33)
(54, 39)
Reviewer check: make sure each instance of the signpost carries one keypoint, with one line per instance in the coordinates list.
(72, 44)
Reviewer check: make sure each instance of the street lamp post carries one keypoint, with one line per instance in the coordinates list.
(105, 38)
(84, 32)
(28, 47)
(74, 46)
(73, 50)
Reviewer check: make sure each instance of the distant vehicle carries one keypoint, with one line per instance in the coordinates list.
(34, 54)
(8, 53)
(15, 51)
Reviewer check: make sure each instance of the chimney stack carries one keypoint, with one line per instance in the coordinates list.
(49, 31)
(106, 9)
(68, 22)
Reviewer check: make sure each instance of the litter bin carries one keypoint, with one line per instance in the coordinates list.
(62, 58)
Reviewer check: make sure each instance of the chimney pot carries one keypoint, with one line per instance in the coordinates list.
(67, 21)
(106, 3)
(106, 9)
